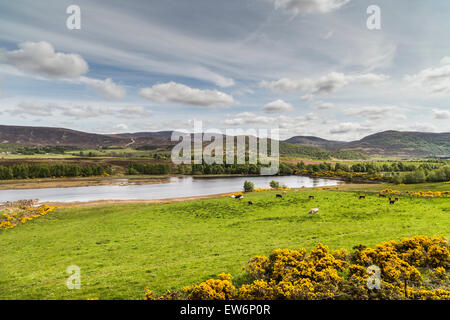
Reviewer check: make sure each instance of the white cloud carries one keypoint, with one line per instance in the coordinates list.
(134, 112)
(105, 88)
(441, 114)
(246, 118)
(283, 122)
(329, 83)
(121, 126)
(323, 105)
(80, 112)
(376, 112)
(41, 59)
(277, 106)
(422, 126)
(445, 60)
(345, 127)
(179, 93)
(309, 6)
(24, 109)
(433, 80)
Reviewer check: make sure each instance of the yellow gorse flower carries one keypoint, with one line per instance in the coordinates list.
(23, 214)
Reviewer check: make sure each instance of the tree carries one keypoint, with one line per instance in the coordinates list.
(249, 186)
(274, 184)
(417, 176)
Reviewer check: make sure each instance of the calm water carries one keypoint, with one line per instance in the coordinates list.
(176, 187)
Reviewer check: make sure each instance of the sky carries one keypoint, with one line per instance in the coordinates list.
(308, 67)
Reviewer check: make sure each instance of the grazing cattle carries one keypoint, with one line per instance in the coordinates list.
(314, 211)
(239, 197)
(362, 197)
(397, 199)
(250, 203)
(391, 201)
(382, 195)
(284, 192)
(233, 196)
(279, 196)
(311, 197)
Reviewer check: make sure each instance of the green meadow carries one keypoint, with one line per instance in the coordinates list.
(123, 249)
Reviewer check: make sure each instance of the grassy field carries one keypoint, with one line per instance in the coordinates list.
(399, 187)
(122, 249)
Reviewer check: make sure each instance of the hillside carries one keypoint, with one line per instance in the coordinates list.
(312, 152)
(46, 136)
(315, 142)
(396, 143)
(388, 143)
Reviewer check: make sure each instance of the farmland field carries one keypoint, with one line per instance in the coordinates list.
(123, 249)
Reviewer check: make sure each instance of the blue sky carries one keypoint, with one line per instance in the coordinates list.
(310, 67)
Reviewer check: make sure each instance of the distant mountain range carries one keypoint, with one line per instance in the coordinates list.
(387, 143)
(48, 136)
(315, 142)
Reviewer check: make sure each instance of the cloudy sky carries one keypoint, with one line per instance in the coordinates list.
(309, 67)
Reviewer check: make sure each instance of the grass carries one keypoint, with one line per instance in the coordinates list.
(122, 249)
(440, 186)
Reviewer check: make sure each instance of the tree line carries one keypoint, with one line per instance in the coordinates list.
(396, 172)
(142, 168)
(31, 171)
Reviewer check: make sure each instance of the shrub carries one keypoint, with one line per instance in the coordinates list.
(249, 186)
(319, 274)
(212, 289)
(274, 184)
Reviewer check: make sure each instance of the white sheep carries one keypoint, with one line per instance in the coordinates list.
(314, 211)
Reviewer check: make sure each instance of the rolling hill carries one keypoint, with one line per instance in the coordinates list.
(315, 142)
(396, 143)
(46, 136)
(388, 143)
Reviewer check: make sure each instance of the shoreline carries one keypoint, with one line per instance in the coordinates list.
(71, 182)
(167, 200)
(46, 183)
(348, 188)
(136, 201)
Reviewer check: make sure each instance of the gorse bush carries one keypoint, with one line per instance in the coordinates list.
(321, 274)
(12, 217)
